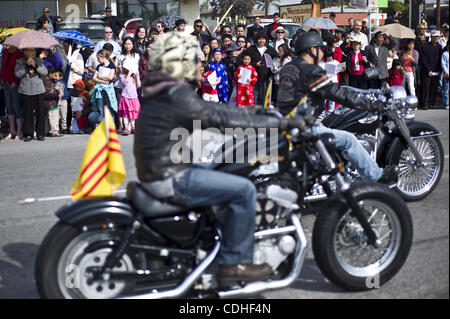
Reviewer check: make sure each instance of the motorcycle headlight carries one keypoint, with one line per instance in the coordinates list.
(412, 102)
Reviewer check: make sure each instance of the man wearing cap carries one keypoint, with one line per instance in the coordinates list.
(444, 37)
(430, 68)
(51, 20)
(273, 26)
(377, 55)
(180, 25)
(112, 21)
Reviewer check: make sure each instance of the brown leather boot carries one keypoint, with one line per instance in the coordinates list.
(230, 274)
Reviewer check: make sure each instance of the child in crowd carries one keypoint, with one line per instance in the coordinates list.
(209, 92)
(54, 91)
(221, 72)
(245, 85)
(396, 75)
(104, 94)
(80, 117)
(129, 105)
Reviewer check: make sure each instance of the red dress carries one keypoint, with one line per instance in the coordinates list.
(244, 93)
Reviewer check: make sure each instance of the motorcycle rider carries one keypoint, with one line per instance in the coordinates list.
(304, 80)
(169, 103)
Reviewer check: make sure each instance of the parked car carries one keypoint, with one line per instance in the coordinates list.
(93, 27)
(288, 24)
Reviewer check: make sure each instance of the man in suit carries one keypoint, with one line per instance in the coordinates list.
(377, 55)
(273, 26)
(430, 68)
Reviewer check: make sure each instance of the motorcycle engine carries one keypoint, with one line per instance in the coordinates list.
(273, 250)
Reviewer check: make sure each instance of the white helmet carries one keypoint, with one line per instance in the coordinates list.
(176, 54)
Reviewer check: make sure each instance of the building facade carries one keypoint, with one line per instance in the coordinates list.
(15, 13)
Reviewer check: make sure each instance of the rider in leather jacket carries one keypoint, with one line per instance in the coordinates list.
(169, 104)
(303, 80)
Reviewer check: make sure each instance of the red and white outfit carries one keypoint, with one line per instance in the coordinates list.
(209, 93)
(245, 91)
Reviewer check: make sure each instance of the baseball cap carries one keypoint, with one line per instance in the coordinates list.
(108, 9)
(46, 10)
(232, 47)
(435, 33)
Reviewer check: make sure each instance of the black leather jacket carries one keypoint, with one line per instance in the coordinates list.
(170, 104)
(299, 78)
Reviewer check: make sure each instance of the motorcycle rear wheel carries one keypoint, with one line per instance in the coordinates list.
(62, 262)
(341, 248)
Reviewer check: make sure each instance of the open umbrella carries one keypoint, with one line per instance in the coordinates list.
(11, 31)
(76, 36)
(169, 21)
(31, 40)
(397, 31)
(320, 23)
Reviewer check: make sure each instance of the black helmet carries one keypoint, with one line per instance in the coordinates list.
(308, 40)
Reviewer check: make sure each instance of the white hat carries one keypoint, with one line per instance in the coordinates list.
(435, 33)
(274, 32)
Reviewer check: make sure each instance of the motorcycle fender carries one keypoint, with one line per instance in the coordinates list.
(109, 211)
(417, 129)
(333, 203)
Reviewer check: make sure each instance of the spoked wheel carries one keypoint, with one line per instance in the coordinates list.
(341, 246)
(416, 181)
(62, 266)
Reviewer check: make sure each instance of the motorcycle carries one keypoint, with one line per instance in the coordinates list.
(141, 247)
(393, 137)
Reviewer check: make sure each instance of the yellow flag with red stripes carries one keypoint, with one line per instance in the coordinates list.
(102, 168)
(268, 95)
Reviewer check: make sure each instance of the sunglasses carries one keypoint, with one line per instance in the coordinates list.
(422, 28)
(106, 32)
(281, 32)
(199, 26)
(241, 41)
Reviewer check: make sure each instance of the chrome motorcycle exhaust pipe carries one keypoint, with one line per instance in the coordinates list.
(315, 198)
(186, 284)
(257, 287)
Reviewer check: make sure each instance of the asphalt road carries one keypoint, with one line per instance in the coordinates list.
(46, 170)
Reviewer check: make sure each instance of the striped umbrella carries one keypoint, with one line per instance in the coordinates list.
(31, 40)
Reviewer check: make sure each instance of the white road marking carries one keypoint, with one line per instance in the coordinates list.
(46, 199)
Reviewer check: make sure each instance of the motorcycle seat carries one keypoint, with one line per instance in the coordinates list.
(147, 204)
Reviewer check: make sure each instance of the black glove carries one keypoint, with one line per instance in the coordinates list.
(296, 122)
(376, 106)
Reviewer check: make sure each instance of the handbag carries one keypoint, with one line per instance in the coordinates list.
(371, 73)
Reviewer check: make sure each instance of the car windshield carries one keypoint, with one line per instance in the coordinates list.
(94, 30)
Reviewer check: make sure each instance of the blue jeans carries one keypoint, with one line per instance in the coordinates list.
(204, 187)
(445, 93)
(12, 101)
(346, 142)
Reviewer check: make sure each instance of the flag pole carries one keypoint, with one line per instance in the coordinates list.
(108, 136)
(226, 13)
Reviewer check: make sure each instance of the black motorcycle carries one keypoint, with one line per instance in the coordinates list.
(394, 137)
(142, 247)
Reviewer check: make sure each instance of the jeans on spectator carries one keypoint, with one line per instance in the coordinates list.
(409, 82)
(204, 187)
(93, 119)
(366, 166)
(445, 93)
(12, 101)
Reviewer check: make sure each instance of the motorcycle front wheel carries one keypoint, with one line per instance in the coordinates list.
(415, 181)
(341, 247)
(63, 261)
